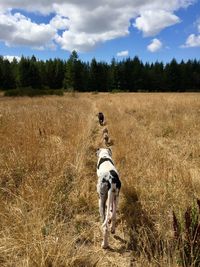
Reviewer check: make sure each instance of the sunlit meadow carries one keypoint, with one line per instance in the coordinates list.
(48, 200)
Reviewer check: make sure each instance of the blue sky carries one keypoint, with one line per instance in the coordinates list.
(153, 30)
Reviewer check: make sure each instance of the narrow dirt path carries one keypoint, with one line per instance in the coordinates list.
(117, 254)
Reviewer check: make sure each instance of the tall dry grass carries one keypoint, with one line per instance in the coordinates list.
(42, 156)
(158, 152)
(49, 206)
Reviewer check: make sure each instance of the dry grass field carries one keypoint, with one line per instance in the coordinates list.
(48, 201)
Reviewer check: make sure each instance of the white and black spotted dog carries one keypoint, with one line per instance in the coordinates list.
(108, 188)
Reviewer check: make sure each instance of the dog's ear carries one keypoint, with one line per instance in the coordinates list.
(109, 151)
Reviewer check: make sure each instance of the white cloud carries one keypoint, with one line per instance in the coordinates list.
(192, 41)
(123, 53)
(89, 27)
(155, 45)
(47, 6)
(84, 24)
(11, 58)
(16, 29)
(152, 22)
(60, 23)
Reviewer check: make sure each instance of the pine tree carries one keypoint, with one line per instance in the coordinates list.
(70, 71)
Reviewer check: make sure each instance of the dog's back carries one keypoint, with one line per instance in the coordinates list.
(105, 165)
(106, 172)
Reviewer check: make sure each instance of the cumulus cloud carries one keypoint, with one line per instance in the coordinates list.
(154, 46)
(44, 7)
(123, 53)
(60, 23)
(16, 29)
(84, 24)
(193, 40)
(152, 22)
(89, 27)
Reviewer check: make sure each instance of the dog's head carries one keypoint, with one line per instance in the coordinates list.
(103, 152)
(100, 115)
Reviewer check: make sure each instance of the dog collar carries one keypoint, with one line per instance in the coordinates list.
(103, 160)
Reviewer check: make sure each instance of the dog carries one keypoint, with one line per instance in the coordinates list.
(108, 188)
(105, 136)
(101, 118)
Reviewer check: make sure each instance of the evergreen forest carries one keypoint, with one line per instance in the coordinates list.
(129, 75)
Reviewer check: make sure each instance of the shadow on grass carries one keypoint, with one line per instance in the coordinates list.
(143, 237)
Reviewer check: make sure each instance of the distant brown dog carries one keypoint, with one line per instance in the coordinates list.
(101, 118)
(105, 136)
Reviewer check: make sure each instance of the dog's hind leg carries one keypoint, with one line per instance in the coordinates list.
(105, 224)
(102, 206)
(102, 190)
(109, 206)
(114, 211)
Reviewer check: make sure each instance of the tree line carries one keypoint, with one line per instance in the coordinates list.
(131, 75)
